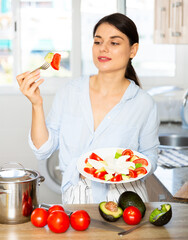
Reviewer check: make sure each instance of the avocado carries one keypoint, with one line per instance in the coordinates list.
(110, 211)
(48, 58)
(108, 176)
(118, 153)
(129, 198)
(160, 217)
(125, 177)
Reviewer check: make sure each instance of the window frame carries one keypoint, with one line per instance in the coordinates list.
(180, 74)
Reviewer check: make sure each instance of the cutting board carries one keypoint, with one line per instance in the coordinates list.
(182, 192)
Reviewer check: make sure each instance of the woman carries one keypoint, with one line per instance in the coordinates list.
(108, 109)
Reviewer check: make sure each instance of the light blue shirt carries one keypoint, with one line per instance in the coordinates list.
(132, 123)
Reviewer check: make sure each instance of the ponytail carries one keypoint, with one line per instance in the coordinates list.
(131, 74)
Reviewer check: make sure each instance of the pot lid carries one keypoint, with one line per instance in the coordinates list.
(18, 174)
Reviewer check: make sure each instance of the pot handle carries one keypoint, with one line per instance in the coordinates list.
(40, 179)
(4, 191)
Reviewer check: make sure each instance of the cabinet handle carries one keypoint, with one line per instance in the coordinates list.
(177, 10)
(161, 197)
(176, 34)
(162, 21)
(177, 4)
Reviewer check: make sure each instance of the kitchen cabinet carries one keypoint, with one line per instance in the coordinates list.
(171, 22)
(156, 191)
(174, 182)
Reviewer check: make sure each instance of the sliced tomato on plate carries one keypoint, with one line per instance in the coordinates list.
(95, 157)
(117, 178)
(128, 152)
(141, 170)
(132, 173)
(100, 175)
(86, 160)
(90, 170)
(143, 161)
(55, 63)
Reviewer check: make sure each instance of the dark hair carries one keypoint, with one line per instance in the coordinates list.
(126, 26)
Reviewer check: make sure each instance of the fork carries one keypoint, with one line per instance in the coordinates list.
(44, 66)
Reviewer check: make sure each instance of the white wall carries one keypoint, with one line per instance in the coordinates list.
(15, 120)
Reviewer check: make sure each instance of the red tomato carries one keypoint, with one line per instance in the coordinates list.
(143, 161)
(117, 178)
(132, 173)
(80, 220)
(128, 152)
(132, 215)
(100, 175)
(141, 170)
(95, 157)
(90, 170)
(58, 221)
(86, 160)
(39, 217)
(55, 63)
(55, 207)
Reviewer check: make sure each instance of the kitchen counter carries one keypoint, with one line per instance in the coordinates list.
(172, 179)
(177, 228)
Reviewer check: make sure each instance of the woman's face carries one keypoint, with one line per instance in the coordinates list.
(111, 49)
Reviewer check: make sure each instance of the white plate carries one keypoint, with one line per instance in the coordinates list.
(103, 152)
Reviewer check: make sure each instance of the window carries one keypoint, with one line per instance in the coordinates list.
(39, 27)
(45, 26)
(31, 28)
(6, 43)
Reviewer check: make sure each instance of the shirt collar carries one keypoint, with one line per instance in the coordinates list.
(130, 92)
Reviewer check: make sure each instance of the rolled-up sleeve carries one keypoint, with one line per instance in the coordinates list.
(46, 150)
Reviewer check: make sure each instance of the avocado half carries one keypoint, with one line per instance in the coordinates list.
(110, 214)
(160, 217)
(129, 198)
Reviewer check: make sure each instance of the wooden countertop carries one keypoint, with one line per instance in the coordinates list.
(177, 228)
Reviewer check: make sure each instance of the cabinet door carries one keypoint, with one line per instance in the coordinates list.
(162, 21)
(156, 191)
(178, 21)
(171, 21)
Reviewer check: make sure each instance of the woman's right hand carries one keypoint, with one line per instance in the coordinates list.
(29, 85)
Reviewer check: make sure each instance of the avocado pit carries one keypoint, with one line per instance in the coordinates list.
(110, 211)
(111, 206)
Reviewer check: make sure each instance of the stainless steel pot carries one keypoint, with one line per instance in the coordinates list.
(18, 193)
